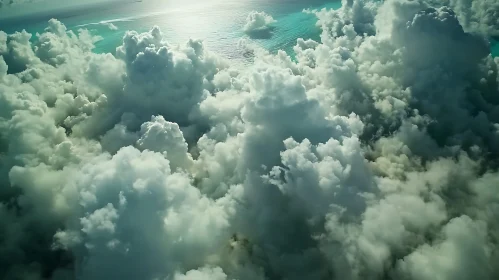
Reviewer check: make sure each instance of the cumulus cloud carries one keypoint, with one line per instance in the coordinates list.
(477, 16)
(110, 25)
(259, 24)
(202, 274)
(370, 155)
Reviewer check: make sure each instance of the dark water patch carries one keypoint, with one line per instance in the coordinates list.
(494, 46)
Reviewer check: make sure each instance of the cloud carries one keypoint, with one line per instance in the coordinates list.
(204, 273)
(456, 257)
(119, 222)
(370, 155)
(259, 25)
(477, 16)
(110, 25)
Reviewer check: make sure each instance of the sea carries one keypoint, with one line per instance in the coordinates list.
(218, 23)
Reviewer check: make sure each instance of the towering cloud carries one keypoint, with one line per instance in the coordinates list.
(477, 16)
(370, 155)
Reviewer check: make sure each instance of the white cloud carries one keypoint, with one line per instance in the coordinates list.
(462, 254)
(203, 274)
(135, 210)
(110, 25)
(258, 24)
(372, 155)
(165, 137)
(477, 16)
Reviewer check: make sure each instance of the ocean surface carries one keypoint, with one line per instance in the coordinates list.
(217, 22)
(495, 47)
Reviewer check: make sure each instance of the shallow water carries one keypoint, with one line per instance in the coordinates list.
(218, 23)
(495, 47)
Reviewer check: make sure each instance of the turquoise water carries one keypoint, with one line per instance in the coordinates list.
(495, 47)
(218, 23)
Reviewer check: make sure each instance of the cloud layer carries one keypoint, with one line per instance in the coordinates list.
(372, 155)
(259, 24)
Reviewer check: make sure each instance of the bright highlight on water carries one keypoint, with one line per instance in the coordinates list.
(218, 23)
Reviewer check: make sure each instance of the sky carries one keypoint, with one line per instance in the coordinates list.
(371, 154)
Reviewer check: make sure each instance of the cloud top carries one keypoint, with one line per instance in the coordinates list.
(258, 24)
(371, 154)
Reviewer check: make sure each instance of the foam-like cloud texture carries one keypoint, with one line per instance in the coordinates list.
(258, 24)
(372, 155)
(477, 16)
